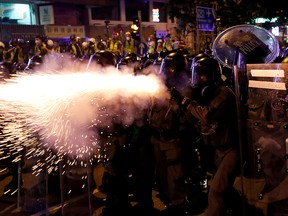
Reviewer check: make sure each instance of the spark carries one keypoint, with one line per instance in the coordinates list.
(62, 115)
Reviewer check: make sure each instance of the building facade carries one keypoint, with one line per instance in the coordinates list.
(85, 18)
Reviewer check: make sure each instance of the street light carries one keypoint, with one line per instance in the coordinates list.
(135, 25)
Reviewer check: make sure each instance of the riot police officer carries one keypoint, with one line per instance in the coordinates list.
(168, 126)
(102, 58)
(215, 110)
(112, 136)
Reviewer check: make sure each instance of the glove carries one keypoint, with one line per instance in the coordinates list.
(181, 100)
(185, 102)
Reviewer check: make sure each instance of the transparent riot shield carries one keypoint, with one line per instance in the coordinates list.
(260, 89)
(267, 127)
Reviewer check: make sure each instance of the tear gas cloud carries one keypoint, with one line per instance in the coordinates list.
(61, 113)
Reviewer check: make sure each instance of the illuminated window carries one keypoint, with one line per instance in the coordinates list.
(155, 15)
(16, 14)
(160, 12)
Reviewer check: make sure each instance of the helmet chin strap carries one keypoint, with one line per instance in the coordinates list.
(207, 92)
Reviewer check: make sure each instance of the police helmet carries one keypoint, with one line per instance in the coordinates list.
(172, 64)
(127, 59)
(173, 69)
(205, 71)
(195, 59)
(198, 57)
(103, 58)
(130, 60)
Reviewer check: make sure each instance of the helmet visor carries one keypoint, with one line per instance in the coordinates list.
(198, 75)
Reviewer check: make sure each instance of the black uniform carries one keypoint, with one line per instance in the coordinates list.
(215, 109)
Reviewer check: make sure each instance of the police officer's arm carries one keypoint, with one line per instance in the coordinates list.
(215, 109)
(200, 112)
(211, 112)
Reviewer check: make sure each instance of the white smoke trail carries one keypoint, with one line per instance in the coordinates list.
(61, 113)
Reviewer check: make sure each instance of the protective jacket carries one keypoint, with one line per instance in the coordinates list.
(217, 119)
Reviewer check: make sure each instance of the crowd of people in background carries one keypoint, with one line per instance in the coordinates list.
(19, 54)
(200, 112)
(19, 51)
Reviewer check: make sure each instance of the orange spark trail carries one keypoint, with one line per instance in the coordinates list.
(64, 111)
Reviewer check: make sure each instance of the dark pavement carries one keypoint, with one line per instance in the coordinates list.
(73, 194)
(30, 202)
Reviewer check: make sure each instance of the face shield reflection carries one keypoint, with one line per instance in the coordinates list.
(198, 75)
(167, 69)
